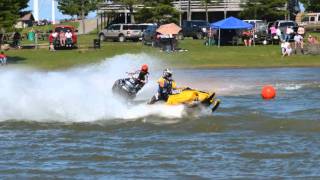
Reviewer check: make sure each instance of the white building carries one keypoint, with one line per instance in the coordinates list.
(217, 9)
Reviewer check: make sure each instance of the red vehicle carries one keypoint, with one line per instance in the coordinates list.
(66, 37)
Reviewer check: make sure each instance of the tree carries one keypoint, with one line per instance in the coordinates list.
(165, 14)
(162, 13)
(129, 5)
(10, 12)
(205, 3)
(311, 5)
(264, 9)
(293, 8)
(80, 8)
(145, 15)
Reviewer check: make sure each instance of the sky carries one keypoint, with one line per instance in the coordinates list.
(45, 10)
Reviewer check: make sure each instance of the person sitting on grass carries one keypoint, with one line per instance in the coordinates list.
(312, 40)
(3, 58)
(286, 49)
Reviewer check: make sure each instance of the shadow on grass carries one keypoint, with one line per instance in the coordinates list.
(15, 59)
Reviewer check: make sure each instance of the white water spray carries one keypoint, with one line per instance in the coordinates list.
(78, 95)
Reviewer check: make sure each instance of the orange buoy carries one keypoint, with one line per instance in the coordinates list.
(268, 92)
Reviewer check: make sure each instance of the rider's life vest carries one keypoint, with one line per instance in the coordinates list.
(166, 86)
(143, 75)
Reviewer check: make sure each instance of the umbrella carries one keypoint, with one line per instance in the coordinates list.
(169, 29)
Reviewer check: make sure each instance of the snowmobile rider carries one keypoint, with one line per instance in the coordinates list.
(142, 77)
(165, 88)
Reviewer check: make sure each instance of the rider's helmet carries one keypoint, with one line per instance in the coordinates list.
(167, 74)
(144, 68)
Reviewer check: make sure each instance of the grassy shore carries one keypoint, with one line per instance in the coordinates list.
(197, 56)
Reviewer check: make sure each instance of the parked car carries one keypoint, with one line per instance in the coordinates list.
(66, 28)
(282, 25)
(144, 26)
(149, 36)
(121, 32)
(260, 30)
(197, 29)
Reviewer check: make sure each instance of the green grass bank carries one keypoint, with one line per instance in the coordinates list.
(197, 56)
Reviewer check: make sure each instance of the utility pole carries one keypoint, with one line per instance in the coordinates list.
(286, 13)
(36, 10)
(180, 16)
(225, 2)
(125, 15)
(82, 16)
(189, 10)
(53, 13)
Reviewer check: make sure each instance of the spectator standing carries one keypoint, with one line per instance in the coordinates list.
(279, 34)
(51, 41)
(246, 36)
(301, 31)
(68, 36)
(210, 40)
(54, 34)
(62, 38)
(273, 30)
(3, 58)
(298, 42)
(55, 37)
(31, 35)
(16, 39)
(289, 32)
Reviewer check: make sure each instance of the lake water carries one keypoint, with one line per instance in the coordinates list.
(74, 132)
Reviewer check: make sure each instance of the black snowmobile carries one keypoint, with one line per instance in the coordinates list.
(127, 87)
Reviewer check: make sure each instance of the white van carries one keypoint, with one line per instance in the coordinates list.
(123, 32)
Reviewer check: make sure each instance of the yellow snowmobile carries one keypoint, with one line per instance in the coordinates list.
(192, 97)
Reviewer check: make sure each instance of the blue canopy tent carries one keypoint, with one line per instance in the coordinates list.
(230, 23)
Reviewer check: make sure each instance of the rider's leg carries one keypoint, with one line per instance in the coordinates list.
(154, 99)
